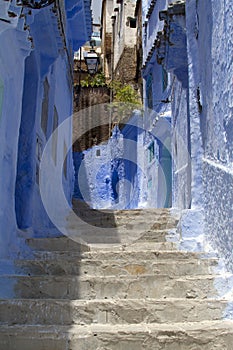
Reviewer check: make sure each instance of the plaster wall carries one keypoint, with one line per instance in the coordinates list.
(202, 117)
(157, 172)
(181, 187)
(216, 67)
(106, 36)
(107, 16)
(109, 175)
(32, 56)
(60, 106)
(130, 33)
(151, 25)
(98, 171)
(124, 35)
(11, 66)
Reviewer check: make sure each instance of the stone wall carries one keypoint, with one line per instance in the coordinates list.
(126, 67)
(92, 120)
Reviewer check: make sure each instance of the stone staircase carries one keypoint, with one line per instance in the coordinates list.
(140, 294)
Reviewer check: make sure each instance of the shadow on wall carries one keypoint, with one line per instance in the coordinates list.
(204, 32)
(26, 148)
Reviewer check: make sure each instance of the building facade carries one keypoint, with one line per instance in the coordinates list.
(157, 85)
(192, 43)
(37, 44)
(106, 38)
(119, 40)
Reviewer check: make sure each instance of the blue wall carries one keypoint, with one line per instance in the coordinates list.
(34, 50)
(111, 179)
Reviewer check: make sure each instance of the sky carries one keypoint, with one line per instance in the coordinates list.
(96, 10)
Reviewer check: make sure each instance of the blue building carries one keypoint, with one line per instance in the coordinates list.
(190, 41)
(109, 174)
(36, 54)
(157, 85)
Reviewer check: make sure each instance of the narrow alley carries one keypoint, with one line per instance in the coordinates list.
(116, 177)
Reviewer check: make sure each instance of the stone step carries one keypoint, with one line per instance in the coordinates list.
(68, 245)
(70, 266)
(124, 213)
(129, 224)
(208, 335)
(131, 287)
(125, 216)
(117, 237)
(124, 235)
(158, 236)
(120, 255)
(122, 311)
(62, 243)
(134, 246)
(153, 224)
(129, 218)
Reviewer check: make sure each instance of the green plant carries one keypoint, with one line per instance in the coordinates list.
(96, 80)
(125, 97)
(125, 93)
(125, 101)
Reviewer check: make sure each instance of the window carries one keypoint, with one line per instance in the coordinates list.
(45, 107)
(98, 153)
(132, 22)
(151, 152)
